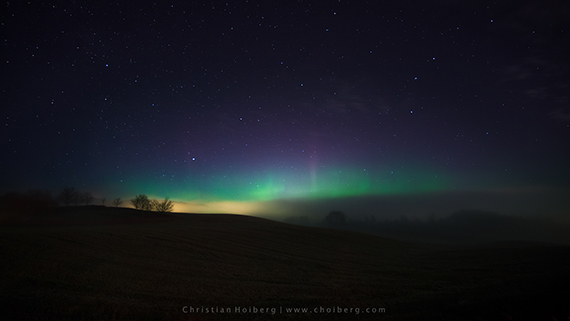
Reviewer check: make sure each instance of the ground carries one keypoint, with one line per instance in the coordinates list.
(104, 263)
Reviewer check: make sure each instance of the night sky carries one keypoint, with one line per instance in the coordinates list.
(280, 107)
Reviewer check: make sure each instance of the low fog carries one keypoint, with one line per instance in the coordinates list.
(458, 218)
(538, 215)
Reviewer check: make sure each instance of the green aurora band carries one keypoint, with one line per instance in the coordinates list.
(268, 185)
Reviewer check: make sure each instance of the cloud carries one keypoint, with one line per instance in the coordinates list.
(530, 67)
(561, 114)
(345, 97)
(541, 79)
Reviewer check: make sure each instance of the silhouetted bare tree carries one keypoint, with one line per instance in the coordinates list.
(153, 205)
(148, 205)
(164, 206)
(86, 198)
(103, 201)
(141, 202)
(117, 202)
(68, 195)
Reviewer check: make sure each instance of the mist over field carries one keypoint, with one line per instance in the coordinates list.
(460, 228)
(460, 217)
(521, 202)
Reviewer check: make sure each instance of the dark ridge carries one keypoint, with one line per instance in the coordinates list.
(149, 269)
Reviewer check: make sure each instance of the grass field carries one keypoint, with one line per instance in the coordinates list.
(107, 263)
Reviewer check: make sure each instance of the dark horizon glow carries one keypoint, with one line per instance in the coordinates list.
(276, 108)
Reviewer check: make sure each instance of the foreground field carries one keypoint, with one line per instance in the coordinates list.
(103, 263)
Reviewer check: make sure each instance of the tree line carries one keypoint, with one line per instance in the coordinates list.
(142, 202)
(71, 196)
(39, 199)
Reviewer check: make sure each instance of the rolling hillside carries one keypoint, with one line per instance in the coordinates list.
(106, 263)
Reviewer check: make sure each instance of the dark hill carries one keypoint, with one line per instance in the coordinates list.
(105, 263)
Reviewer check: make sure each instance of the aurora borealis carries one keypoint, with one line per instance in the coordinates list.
(247, 106)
